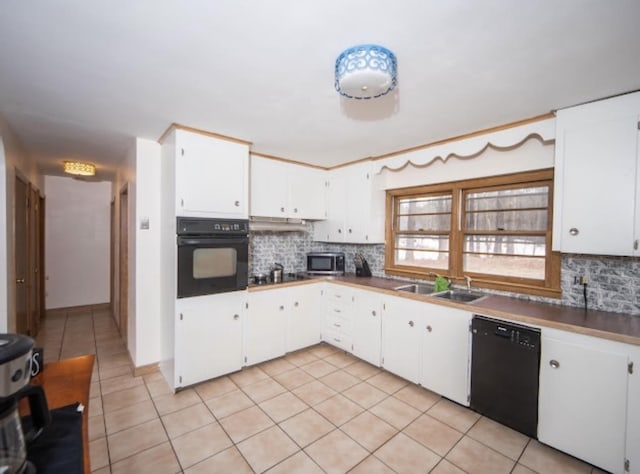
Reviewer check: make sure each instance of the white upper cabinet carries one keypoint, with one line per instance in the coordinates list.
(355, 207)
(211, 175)
(597, 180)
(281, 189)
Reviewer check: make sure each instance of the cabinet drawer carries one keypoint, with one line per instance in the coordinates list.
(339, 295)
(338, 324)
(338, 309)
(337, 339)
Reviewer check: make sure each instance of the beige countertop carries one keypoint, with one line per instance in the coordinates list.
(613, 326)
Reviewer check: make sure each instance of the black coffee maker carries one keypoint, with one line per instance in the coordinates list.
(15, 373)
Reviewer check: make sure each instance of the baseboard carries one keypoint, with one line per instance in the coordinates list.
(80, 309)
(145, 369)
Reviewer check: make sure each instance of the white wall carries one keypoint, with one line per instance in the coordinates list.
(147, 253)
(14, 160)
(77, 242)
(139, 174)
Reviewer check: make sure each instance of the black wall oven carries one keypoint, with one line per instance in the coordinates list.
(213, 255)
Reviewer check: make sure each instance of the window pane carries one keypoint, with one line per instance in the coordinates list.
(523, 267)
(425, 222)
(422, 258)
(423, 251)
(423, 242)
(519, 198)
(424, 205)
(535, 220)
(505, 245)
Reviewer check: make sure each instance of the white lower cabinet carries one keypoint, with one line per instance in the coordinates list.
(337, 329)
(266, 330)
(583, 398)
(446, 351)
(367, 326)
(304, 316)
(401, 337)
(208, 337)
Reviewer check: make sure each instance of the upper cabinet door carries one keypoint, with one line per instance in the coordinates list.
(268, 188)
(307, 192)
(596, 178)
(281, 189)
(211, 176)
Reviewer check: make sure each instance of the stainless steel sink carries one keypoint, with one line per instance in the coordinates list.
(461, 296)
(419, 289)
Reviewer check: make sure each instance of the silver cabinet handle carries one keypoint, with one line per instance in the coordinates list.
(282, 209)
(337, 325)
(337, 310)
(411, 323)
(281, 308)
(574, 231)
(429, 328)
(295, 304)
(339, 231)
(635, 244)
(236, 317)
(373, 313)
(295, 210)
(237, 203)
(350, 231)
(554, 364)
(336, 339)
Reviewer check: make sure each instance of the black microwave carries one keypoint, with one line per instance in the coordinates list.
(325, 263)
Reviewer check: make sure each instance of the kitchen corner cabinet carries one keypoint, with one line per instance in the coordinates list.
(597, 178)
(304, 316)
(355, 207)
(586, 404)
(266, 329)
(208, 337)
(402, 337)
(367, 326)
(446, 352)
(211, 175)
(282, 189)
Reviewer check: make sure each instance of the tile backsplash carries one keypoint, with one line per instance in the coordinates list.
(613, 282)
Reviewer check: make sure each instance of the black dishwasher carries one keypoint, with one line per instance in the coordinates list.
(505, 364)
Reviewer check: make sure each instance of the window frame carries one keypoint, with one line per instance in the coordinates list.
(549, 287)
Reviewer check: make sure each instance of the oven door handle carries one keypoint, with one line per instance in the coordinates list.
(185, 241)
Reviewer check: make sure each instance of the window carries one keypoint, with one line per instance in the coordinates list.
(495, 230)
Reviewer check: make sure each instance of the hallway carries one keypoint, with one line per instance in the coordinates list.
(316, 410)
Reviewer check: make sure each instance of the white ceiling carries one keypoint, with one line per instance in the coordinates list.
(81, 78)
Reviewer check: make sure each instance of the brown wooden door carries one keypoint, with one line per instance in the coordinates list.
(21, 195)
(112, 263)
(33, 261)
(41, 270)
(124, 259)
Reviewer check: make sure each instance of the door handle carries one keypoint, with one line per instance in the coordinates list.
(20, 280)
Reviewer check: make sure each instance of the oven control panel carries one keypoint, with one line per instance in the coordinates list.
(204, 226)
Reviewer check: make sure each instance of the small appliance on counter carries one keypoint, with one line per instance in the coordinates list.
(277, 271)
(362, 266)
(15, 373)
(325, 263)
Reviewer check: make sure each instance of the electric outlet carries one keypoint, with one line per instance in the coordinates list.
(580, 280)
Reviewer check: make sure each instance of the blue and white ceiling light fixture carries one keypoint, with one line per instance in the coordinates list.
(366, 71)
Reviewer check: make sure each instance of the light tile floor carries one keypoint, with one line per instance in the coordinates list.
(313, 411)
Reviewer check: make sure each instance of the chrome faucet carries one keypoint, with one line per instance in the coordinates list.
(469, 280)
